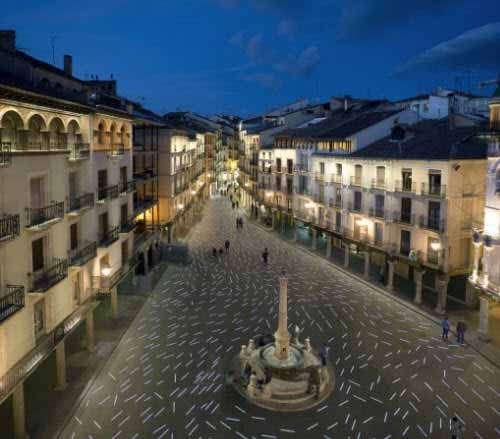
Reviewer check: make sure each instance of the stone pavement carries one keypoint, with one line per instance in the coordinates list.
(395, 378)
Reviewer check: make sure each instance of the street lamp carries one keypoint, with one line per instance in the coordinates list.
(105, 269)
(436, 245)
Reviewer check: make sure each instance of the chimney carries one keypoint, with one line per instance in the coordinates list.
(8, 40)
(68, 64)
(346, 102)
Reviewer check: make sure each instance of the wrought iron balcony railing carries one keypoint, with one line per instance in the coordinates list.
(376, 212)
(84, 253)
(355, 181)
(430, 223)
(9, 226)
(108, 237)
(46, 278)
(403, 217)
(41, 215)
(11, 301)
(379, 184)
(117, 149)
(434, 190)
(109, 192)
(127, 225)
(81, 202)
(405, 186)
(127, 186)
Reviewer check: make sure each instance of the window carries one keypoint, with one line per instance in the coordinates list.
(289, 165)
(338, 221)
(357, 200)
(124, 252)
(339, 168)
(73, 185)
(123, 214)
(73, 236)
(37, 195)
(338, 197)
(358, 173)
(278, 165)
(289, 185)
(379, 234)
(39, 318)
(322, 168)
(405, 245)
(102, 183)
(434, 210)
(406, 210)
(123, 176)
(103, 225)
(379, 206)
(406, 176)
(37, 254)
(278, 182)
(380, 176)
(432, 255)
(435, 182)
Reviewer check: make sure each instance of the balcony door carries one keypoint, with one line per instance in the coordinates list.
(405, 244)
(73, 236)
(435, 182)
(73, 185)
(37, 254)
(358, 174)
(123, 213)
(103, 225)
(434, 214)
(406, 175)
(380, 176)
(37, 192)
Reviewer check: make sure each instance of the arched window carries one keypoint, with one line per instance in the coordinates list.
(11, 124)
(36, 127)
(57, 135)
(73, 133)
(101, 133)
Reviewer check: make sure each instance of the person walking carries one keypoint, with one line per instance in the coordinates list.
(461, 328)
(214, 252)
(226, 245)
(221, 251)
(265, 256)
(241, 223)
(445, 324)
(456, 428)
(237, 223)
(323, 354)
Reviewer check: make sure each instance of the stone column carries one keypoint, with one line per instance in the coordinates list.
(89, 327)
(346, 255)
(282, 336)
(314, 243)
(418, 276)
(114, 303)
(61, 366)
(483, 318)
(328, 245)
(19, 412)
(390, 275)
(442, 287)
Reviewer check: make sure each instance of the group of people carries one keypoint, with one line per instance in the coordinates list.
(227, 244)
(239, 223)
(460, 330)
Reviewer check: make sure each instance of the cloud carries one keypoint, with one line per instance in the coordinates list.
(476, 48)
(302, 64)
(361, 18)
(267, 80)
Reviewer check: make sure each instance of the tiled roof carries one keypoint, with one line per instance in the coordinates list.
(429, 140)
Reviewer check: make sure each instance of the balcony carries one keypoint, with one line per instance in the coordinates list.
(380, 185)
(79, 151)
(407, 187)
(299, 168)
(403, 217)
(277, 170)
(11, 301)
(85, 201)
(141, 205)
(434, 190)
(108, 237)
(430, 223)
(335, 203)
(354, 207)
(107, 193)
(127, 225)
(9, 227)
(46, 278)
(39, 217)
(319, 198)
(117, 150)
(355, 181)
(127, 186)
(82, 254)
(376, 212)
(335, 179)
(5, 154)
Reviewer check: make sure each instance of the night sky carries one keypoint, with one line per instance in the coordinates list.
(245, 56)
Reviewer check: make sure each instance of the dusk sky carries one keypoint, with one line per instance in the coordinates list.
(245, 56)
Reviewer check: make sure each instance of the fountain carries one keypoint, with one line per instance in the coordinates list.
(281, 374)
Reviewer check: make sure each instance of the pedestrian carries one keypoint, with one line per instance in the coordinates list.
(241, 223)
(214, 252)
(382, 274)
(221, 252)
(456, 428)
(461, 328)
(226, 245)
(265, 256)
(232, 204)
(237, 223)
(296, 331)
(445, 324)
(323, 354)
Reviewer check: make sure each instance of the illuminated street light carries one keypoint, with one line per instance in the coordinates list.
(436, 245)
(106, 269)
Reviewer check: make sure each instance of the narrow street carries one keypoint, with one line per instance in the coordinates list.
(395, 377)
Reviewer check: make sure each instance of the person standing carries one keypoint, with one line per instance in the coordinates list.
(226, 245)
(241, 223)
(214, 252)
(445, 324)
(323, 354)
(237, 223)
(461, 328)
(456, 428)
(265, 256)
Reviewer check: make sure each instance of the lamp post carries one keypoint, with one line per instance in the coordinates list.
(105, 273)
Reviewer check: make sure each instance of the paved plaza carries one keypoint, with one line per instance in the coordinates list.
(395, 377)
